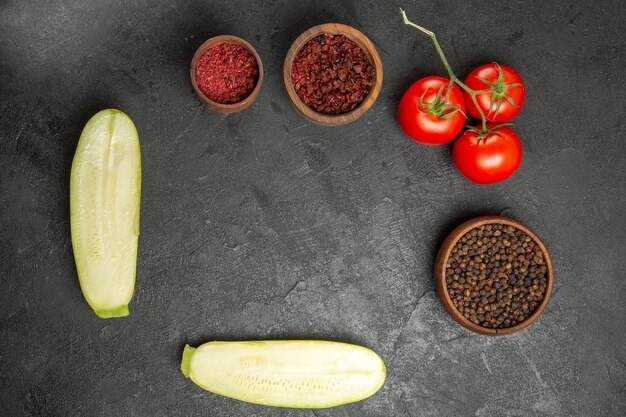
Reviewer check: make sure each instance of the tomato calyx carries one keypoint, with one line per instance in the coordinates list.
(498, 91)
(439, 107)
(482, 133)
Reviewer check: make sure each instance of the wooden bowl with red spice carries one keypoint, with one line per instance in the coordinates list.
(494, 275)
(333, 74)
(226, 73)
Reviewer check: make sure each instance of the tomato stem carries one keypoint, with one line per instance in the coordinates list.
(453, 77)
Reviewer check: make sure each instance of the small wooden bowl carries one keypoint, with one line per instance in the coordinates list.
(440, 275)
(219, 107)
(372, 55)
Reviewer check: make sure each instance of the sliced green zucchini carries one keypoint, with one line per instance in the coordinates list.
(105, 187)
(286, 373)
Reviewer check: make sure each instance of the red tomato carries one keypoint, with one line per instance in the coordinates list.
(490, 159)
(507, 98)
(426, 116)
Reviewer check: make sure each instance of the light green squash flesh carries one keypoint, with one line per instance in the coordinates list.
(286, 373)
(105, 187)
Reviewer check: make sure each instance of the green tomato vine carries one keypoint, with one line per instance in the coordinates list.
(497, 89)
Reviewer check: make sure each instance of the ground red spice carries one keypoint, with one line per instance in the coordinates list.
(331, 74)
(227, 73)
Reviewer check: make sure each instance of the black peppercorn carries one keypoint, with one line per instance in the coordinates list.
(496, 276)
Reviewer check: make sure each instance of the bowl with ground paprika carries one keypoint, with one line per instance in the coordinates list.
(332, 74)
(493, 275)
(226, 73)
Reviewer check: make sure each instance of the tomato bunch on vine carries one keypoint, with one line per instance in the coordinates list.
(433, 111)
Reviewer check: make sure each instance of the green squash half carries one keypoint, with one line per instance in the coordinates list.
(286, 373)
(105, 187)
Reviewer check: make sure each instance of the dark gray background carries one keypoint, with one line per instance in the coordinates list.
(260, 225)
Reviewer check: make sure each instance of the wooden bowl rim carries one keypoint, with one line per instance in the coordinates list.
(440, 274)
(213, 105)
(370, 51)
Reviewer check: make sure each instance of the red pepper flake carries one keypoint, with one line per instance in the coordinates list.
(227, 73)
(331, 74)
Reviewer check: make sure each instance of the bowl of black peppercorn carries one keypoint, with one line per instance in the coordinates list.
(494, 275)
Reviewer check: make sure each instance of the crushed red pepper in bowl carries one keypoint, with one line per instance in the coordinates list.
(227, 73)
(331, 74)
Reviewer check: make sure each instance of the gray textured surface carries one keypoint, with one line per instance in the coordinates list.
(261, 225)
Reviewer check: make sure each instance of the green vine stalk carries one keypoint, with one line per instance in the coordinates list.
(453, 77)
